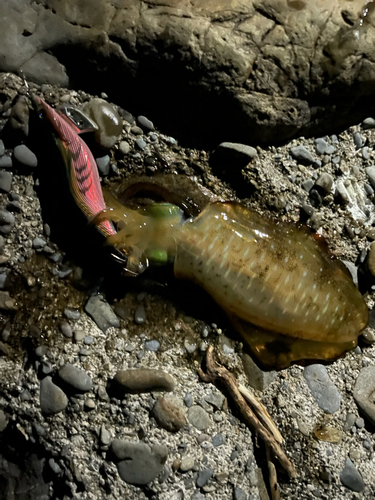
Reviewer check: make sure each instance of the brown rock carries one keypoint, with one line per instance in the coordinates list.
(143, 380)
(168, 416)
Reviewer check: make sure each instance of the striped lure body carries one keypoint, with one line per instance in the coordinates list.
(80, 164)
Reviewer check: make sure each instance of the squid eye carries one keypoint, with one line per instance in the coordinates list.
(42, 114)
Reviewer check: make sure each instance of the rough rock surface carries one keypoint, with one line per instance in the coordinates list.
(257, 72)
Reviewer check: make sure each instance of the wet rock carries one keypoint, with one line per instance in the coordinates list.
(108, 120)
(204, 476)
(324, 391)
(101, 312)
(24, 156)
(364, 390)
(302, 155)
(5, 181)
(258, 379)
(7, 221)
(199, 418)
(145, 124)
(351, 478)
(143, 380)
(52, 398)
(328, 434)
(188, 399)
(168, 416)
(139, 464)
(75, 377)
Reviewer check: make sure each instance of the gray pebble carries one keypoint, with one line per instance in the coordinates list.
(351, 478)
(52, 398)
(368, 123)
(75, 377)
(257, 378)
(197, 495)
(188, 399)
(360, 423)
(23, 155)
(238, 151)
(358, 139)
(330, 149)
(72, 313)
(124, 147)
(7, 303)
(38, 243)
(168, 416)
(324, 391)
(105, 435)
(65, 329)
(363, 392)
(102, 313)
(199, 418)
(7, 221)
(140, 314)
(334, 139)
(336, 160)
(239, 494)
(5, 181)
(103, 164)
(145, 123)
(143, 380)
(216, 399)
(46, 367)
(129, 347)
(152, 345)
(2, 148)
(349, 421)
(6, 162)
(187, 463)
(308, 184)
(302, 155)
(325, 182)
(54, 466)
(320, 146)
(370, 171)
(218, 440)
(88, 340)
(3, 278)
(365, 153)
(342, 191)
(204, 476)
(139, 464)
(140, 143)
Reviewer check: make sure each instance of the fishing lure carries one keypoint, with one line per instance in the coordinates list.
(289, 298)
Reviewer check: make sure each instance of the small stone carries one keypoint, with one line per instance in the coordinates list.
(143, 380)
(168, 416)
(204, 476)
(39, 243)
(368, 123)
(307, 210)
(7, 221)
(52, 398)
(216, 399)
(152, 345)
(342, 192)
(23, 155)
(6, 162)
(3, 278)
(320, 146)
(2, 148)
(7, 303)
(307, 185)
(258, 379)
(364, 390)
(124, 147)
(3, 421)
(370, 171)
(5, 181)
(360, 423)
(101, 312)
(330, 149)
(103, 164)
(323, 390)
(56, 469)
(351, 478)
(78, 335)
(199, 418)
(240, 152)
(358, 139)
(302, 155)
(239, 494)
(140, 314)
(73, 314)
(315, 198)
(89, 404)
(75, 377)
(218, 440)
(105, 436)
(188, 399)
(145, 124)
(366, 153)
(140, 143)
(139, 464)
(325, 182)
(187, 463)
(349, 421)
(66, 329)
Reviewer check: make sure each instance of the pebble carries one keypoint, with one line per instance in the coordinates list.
(3, 421)
(363, 392)
(366, 153)
(307, 210)
(349, 421)
(140, 314)
(7, 221)
(323, 390)
(73, 314)
(325, 182)
(236, 151)
(2, 148)
(190, 345)
(239, 494)
(187, 463)
(39, 243)
(6, 162)
(216, 399)
(218, 440)
(315, 198)
(257, 378)
(204, 476)
(168, 416)
(320, 146)
(351, 478)
(307, 185)
(360, 423)
(54, 466)
(371, 258)
(152, 345)
(103, 164)
(52, 398)
(358, 139)
(145, 123)
(143, 380)
(23, 155)
(65, 329)
(78, 335)
(140, 143)
(76, 378)
(7, 303)
(5, 181)
(330, 149)
(199, 418)
(105, 435)
(302, 155)
(89, 404)
(368, 123)
(3, 278)
(102, 313)
(124, 147)
(108, 120)
(188, 399)
(88, 340)
(370, 171)
(139, 463)
(198, 496)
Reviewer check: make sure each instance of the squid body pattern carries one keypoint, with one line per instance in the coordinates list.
(281, 288)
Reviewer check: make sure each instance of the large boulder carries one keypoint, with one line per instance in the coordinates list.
(236, 70)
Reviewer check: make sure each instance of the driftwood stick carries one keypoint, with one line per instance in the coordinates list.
(218, 372)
